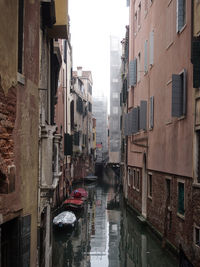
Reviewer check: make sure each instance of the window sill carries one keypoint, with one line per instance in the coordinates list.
(168, 122)
(169, 45)
(20, 78)
(181, 216)
(182, 29)
(150, 197)
(181, 118)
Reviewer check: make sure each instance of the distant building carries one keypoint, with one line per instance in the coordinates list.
(115, 111)
(101, 115)
(82, 123)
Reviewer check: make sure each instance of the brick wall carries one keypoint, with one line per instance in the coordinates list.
(7, 121)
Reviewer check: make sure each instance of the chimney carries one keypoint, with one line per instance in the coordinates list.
(79, 71)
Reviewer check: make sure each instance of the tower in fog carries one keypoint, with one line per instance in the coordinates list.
(115, 111)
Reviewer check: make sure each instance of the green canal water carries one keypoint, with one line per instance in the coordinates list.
(108, 234)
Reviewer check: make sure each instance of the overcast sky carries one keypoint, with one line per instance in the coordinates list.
(92, 22)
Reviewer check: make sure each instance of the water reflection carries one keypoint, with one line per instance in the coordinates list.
(108, 235)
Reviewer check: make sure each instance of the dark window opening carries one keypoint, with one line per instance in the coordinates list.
(20, 35)
(181, 198)
(150, 185)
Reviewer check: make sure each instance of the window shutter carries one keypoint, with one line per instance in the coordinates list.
(151, 112)
(143, 115)
(131, 73)
(180, 14)
(195, 57)
(68, 148)
(135, 72)
(25, 240)
(177, 96)
(126, 124)
(196, 75)
(65, 51)
(145, 57)
(184, 92)
(151, 48)
(129, 123)
(135, 120)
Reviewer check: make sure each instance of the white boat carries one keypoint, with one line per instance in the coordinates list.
(65, 218)
(91, 178)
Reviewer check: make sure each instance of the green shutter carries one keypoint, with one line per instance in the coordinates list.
(177, 96)
(68, 148)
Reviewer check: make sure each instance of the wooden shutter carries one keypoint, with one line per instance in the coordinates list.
(143, 115)
(65, 51)
(67, 144)
(196, 75)
(135, 72)
(184, 110)
(195, 53)
(151, 48)
(25, 240)
(151, 112)
(180, 14)
(135, 120)
(145, 57)
(131, 73)
(177, 97)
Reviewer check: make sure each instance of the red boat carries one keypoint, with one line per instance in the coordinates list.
(79, 193)
(73, 203)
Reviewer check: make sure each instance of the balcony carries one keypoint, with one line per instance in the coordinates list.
(60, 28)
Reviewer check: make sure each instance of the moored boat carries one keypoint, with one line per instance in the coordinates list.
(73, 204)
(64, 219)
(79, 193)
(91, 178)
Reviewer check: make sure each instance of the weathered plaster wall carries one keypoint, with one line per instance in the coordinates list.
(8, 44)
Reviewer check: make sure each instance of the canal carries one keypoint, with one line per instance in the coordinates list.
(108, 234)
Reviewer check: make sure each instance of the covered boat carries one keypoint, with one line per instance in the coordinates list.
(73, 203)
(79, 193)
(91, 178)
(65, 218)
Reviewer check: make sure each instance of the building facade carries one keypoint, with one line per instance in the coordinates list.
(161, 183)
(19, 112)
(101, 115)
(115, 111)
(81, 108)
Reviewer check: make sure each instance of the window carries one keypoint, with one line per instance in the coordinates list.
(198, 156)
(151, 48)
(135, 24)
(151, 117)
(129, 177)
(138, 68)
(137, 180)
(181, 14)
(20, 35)
(181, 198)
(146, 6)
(115, 110)
(143, 115)
(168, 191)
(150, 185)
(179, 92)
(115, 95)
(197, 236)
(133, 72)
(139, 16)
(170, 24)
(145, 57)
